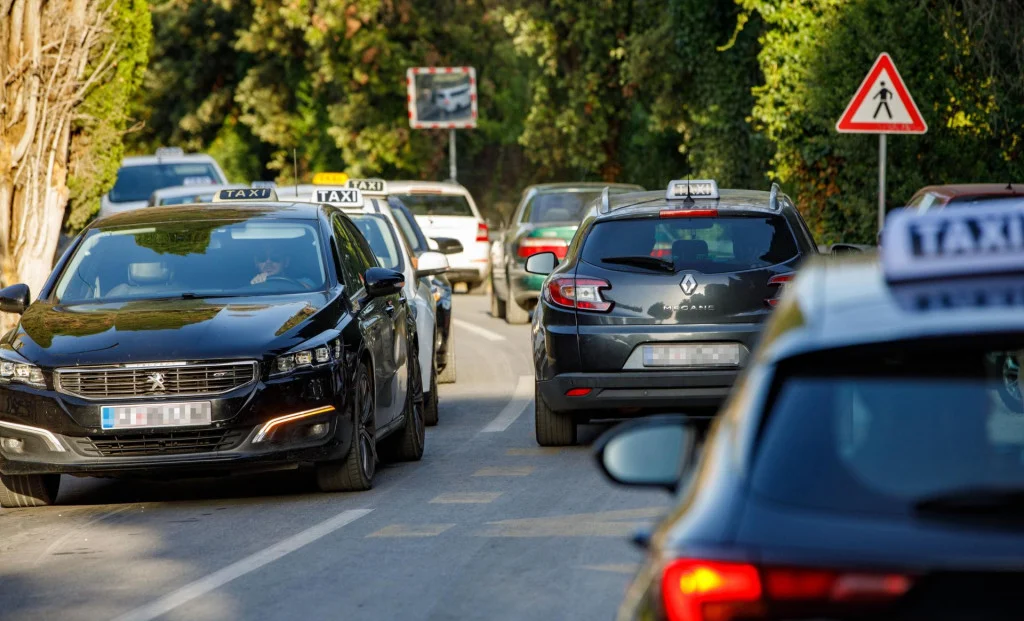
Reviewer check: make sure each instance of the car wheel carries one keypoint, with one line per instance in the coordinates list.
(407, 443)
(447, 374)
(355, 472)
(497, 306)
(430, 414)
(514, 313)
(476, 288)
(1009, 388)
(28, 490)
(552, 428)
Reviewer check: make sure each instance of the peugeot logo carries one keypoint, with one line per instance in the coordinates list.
(689, 284)
(156, 382)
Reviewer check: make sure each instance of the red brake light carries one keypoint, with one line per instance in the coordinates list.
(578, 392)
(778, 281)
(689, 213)
(578, 293)
(536, 245)
(481, 232)
(689, 587)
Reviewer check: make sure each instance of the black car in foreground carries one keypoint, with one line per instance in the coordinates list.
(191, 340)
(866, 466)
(658, 301)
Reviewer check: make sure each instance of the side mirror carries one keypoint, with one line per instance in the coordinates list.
(432, 244)
(431, 263)
(14, 299)
(447, 245)
(654, 451)
(542, 263)
(381, 281)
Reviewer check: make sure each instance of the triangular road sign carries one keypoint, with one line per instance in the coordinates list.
(883, 104)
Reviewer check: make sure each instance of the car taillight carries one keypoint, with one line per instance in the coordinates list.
(777, 281)
(536, 245)
(481, 232)
(578, 293)
(699, 590)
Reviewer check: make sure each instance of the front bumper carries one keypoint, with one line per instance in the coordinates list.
(639, 390)
(41, 418)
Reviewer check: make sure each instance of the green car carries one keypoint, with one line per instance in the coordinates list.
(545, 221)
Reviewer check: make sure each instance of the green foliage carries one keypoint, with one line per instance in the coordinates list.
(104, 116)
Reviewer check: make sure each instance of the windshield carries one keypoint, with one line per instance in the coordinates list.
(382, 241)
(137, 183)
(880, 433)
(437, 204)
(194, 258)
(558, 207)
(708, 245)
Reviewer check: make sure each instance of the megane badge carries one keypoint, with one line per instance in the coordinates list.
(156, 382)
(689, 284)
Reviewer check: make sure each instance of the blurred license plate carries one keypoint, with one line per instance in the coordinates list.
(692, 355)
(156, 415)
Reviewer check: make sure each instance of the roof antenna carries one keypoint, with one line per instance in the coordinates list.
(295, 169)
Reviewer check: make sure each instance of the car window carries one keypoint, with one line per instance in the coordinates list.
(363, 252)
(708, 245)
(967, 201)
(409, 230)
(137, 183)
(199, 197)
(436, 204)
(351, 264)
(194, 258)
(558, 206)
(880, 433)
(378, 233)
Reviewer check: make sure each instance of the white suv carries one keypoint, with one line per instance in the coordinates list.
(140, 176)
(446, 209)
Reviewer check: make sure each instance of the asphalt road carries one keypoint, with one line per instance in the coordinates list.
(487, 526)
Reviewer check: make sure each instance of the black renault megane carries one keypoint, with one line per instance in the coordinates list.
(208, 339)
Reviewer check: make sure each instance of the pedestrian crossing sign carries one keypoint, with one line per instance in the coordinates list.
(882, 104)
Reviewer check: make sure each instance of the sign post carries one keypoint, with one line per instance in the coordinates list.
(882, 105)
(442, 98)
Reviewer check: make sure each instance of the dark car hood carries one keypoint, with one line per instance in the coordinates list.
(159, 330)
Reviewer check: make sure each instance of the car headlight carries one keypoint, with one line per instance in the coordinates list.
(16, 371)
(307, 358)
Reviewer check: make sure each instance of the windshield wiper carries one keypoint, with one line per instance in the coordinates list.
(975, 501)
(642, 261)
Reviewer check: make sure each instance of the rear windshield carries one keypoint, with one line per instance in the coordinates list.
(199, 197)
(436, 204)
(558, 207)
(885, 432)
(136, 183)
(708, 245)
(378, 233)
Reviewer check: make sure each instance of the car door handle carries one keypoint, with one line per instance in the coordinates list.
(389, 308)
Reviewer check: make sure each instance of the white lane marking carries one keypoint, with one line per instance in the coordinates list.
(475, 329)
(521, 398)
(248, 564)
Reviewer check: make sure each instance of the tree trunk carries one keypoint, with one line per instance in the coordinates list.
(49, 58)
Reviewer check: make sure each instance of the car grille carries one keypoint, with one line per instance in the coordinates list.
(155, 380)
(167, 443)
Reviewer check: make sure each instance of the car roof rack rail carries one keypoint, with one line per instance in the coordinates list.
(773, 198)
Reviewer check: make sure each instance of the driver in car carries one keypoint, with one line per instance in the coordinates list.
(272, 264)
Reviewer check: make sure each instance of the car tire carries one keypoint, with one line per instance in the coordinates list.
(476, 288)
(447, 374)
(407, 443)
(516, 314)
(1009, 388)
(552, 428)
(430, 414)
(28, 490)
(355, 472)
(497, 306)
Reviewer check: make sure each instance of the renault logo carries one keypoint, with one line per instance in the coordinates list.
(689, 284)
(156, 382)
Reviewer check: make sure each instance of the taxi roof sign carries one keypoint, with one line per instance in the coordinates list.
(245, 194)
(953, 242)
(369, 186)
(339, 197)
(330, 178)
(681, 189)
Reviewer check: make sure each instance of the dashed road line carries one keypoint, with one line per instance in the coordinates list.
(238, 569)
(411, 530)
(475, 329)
(522, 397)
(504, 471)
(466, 498)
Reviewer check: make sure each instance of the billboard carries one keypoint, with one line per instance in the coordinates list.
(441, 97)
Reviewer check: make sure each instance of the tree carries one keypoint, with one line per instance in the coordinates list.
(67, 72)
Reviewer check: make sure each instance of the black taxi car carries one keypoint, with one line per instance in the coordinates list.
(659, 301)
(866, 466)
(186, 340)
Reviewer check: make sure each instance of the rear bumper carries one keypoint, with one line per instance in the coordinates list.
(677, 390)
(524, 287)
(472, 265)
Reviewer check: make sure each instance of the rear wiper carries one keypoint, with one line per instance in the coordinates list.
(975, 501)
(642, 261)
